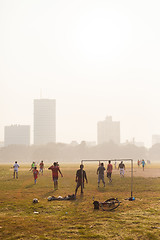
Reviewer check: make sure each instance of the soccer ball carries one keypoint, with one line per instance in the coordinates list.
(49, 198)
(35, 200)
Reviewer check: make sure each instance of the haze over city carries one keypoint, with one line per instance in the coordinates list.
(96, 58)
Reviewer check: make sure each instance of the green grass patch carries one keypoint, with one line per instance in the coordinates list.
(21, 219)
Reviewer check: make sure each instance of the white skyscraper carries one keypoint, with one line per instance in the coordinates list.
(108, 130)
(17, 134)
(44, 121)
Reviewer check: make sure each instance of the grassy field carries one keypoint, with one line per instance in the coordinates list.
(139, 219)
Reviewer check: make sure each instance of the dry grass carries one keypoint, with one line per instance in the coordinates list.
(139, 219)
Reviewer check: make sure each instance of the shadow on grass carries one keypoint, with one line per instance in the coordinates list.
(11, 179)
(79, 199)
(102, 189)
(30, 185)
(49, 193)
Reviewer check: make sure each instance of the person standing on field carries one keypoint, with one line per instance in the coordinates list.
(100, 172)
(35, 174)
(122, 168)
(115, 164)
(109, 171)
(15, 173)
(55, 169)
(41, 167)
(143, 163)
(79, 180)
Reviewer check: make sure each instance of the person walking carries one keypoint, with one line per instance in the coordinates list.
(109, 171)
(122, 168)
(15, 172)
(100, 172)
(41, 167)
(35, 174)
(55, 169)
(32, 166)
(80, 182)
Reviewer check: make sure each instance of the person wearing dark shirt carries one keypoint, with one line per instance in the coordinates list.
(122, 168)
(109, 171)
(100, 172)
(79, 181)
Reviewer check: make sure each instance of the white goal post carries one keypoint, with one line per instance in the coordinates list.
(106, 160)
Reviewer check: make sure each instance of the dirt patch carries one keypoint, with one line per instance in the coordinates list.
(138, 172)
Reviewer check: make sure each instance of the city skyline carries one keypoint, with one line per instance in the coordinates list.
(96, 58)
(49, 108)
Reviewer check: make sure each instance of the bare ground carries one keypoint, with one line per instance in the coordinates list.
(149, 172)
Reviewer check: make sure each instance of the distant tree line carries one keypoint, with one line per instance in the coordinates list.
(68, 153)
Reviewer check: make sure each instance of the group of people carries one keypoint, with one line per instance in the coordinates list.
(35, 170)
(34, 166)
(55, 169)
(101, 169)
(80, 173)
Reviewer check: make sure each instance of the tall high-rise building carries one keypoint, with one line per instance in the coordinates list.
(108, 130)
(17, 134)
(44, 121)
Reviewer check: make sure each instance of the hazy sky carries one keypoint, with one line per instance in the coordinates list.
(95, 57)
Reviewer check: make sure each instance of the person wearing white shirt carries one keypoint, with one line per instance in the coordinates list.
(15, 166)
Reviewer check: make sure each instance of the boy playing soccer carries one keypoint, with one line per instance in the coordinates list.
(15, 166)
(109, 171)
(41, 167)
(35, 174)
(55, 169)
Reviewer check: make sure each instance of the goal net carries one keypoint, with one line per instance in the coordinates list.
(115, 163)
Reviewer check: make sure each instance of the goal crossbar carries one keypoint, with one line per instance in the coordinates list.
(106, 160)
